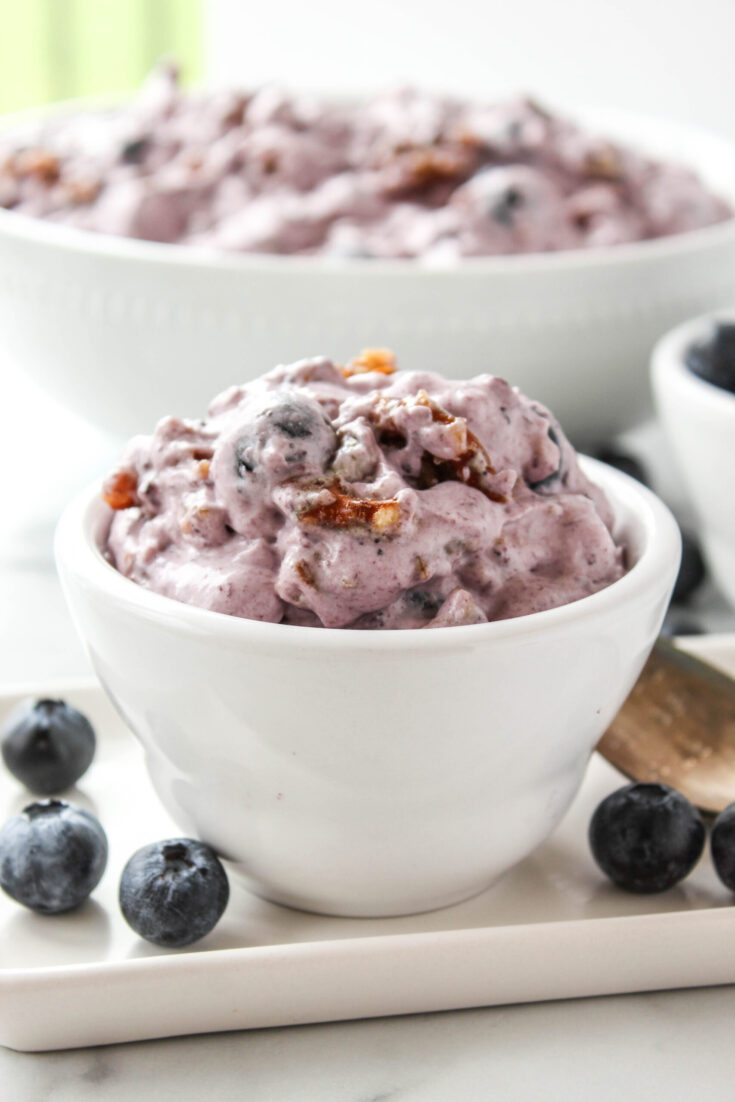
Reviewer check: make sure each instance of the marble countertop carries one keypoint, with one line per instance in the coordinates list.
(665, 1045)
(673, 1046)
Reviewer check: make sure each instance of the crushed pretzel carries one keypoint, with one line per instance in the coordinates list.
(422, 568)
(469, 466)
(380, 360)
(457, 425)
(343, 511)
(82, 191)
(420, 168)
(120, 490)
(303, 571)
(39, 163)
(190, 522)
(603, 164)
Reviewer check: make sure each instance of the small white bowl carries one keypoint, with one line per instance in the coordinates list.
(126, 331)
(370, 772)
(699, 421)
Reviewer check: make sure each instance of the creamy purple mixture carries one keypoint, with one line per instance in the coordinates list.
(407, 174)
(361, 497)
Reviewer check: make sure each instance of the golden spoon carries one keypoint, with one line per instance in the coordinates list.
(677, 727)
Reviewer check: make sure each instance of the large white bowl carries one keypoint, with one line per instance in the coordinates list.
(126, 331)
(370, 772)
(699, 422)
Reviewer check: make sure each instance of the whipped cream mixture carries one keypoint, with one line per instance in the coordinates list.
(362, 497)
(408, 174)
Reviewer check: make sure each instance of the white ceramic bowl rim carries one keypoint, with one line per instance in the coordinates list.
(40, 230)
(670, 364)
(76, 545)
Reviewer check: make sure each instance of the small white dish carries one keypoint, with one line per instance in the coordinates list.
(553, 928)
(370, 772)
(699, 421)
(126, 331)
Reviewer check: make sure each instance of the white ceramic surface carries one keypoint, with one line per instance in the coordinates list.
(370, 772)
(699, 421)
(126, 331)
(552, 928)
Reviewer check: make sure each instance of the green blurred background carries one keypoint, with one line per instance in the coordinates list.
(58, 49)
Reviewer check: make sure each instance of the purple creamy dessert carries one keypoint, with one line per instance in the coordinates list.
(407, 174)
(362, 497)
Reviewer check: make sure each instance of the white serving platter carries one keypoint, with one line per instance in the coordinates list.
(552, 928)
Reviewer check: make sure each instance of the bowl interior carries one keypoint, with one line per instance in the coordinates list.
(708, 154)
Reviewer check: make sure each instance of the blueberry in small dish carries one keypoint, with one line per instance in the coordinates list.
(646, 837)
(623, 461)
(48, 746)
(173, 892)
(713, 359)
(52, 856)
(675, 624)
(692, 571)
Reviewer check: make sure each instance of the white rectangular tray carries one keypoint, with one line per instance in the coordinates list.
(552, 928)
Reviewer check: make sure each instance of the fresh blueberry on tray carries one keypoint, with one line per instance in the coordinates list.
(646, 837)
(52, 856)
(714, 359)
(722, 844)
(48, 746)
(624, 462)
(174, 892)
(691, 571)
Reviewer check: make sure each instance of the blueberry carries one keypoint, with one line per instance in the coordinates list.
(722, 843)
(52, 856)
(48, 746)
(424, 602)
(244, 453)
(293, 420)
(286, 438)
(680, 625)
(691, 571)
(133, 152)
(549, 480)
(646, 837)
(714, 359)
(503, 209)
(624, 462)
(173, 892)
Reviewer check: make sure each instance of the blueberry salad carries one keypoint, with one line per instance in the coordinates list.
(359, 496)
(405, 174)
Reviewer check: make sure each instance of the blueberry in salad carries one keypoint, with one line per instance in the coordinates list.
(713, 359)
